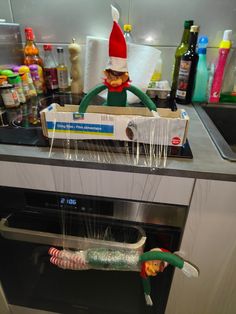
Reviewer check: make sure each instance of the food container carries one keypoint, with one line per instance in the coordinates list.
(129, 124)
(10, 96)
(161, 90)
(3, 79)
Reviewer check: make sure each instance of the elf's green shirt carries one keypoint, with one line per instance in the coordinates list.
(118, 99)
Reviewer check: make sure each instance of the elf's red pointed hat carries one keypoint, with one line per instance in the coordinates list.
(117, 46)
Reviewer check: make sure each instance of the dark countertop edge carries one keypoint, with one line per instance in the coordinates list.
(120, 168)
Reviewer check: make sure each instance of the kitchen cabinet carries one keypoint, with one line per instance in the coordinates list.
(209, 235)
(208, 241)
(107, 183)
(125, 185)
(4, 309)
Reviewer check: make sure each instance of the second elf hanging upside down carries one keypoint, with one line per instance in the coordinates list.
(116, 74)
(148, 264)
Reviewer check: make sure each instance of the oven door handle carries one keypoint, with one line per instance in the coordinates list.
(73, 242)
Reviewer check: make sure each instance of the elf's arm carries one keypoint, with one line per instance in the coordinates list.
(92, 93)
(143, 97)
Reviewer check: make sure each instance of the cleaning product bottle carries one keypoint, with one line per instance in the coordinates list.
(181, 49)
(228, 91)
(224, 49)
(201, 80)
(127, 33)
(187, 69)
(157, 74)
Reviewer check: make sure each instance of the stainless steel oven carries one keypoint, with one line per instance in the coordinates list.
(32, 221)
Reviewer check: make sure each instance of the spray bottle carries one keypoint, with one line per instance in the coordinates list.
(224, 49)
(201, 80)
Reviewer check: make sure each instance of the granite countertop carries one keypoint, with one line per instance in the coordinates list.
(207, 162)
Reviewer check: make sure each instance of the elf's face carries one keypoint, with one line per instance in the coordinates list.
(152, 268)
(115, 78)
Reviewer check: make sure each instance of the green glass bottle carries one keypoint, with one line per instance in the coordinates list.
(187, 69)
(181, 49)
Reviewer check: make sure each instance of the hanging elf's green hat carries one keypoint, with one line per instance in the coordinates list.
(168, 258)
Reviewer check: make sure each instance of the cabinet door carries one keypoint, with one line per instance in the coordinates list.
(209, 242)
(125, 185)
(4, 309)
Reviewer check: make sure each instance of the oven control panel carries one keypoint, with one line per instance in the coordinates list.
(59, 201)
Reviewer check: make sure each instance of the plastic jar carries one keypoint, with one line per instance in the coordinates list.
(10, 96)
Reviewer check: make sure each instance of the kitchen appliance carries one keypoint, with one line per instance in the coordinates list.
(33, 220)
(10, 45)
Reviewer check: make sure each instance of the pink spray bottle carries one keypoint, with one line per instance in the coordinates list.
(224, 49)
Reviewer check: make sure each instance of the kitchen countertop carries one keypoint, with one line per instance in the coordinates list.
(207, 162)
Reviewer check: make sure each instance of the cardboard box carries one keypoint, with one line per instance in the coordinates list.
(116, 123)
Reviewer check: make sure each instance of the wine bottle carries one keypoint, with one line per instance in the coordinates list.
(187, 69)
(181, 49)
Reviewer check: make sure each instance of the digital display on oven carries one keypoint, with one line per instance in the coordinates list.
(64, 201)
(85, 205)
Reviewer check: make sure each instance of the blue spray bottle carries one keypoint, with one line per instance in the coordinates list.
(201, 80)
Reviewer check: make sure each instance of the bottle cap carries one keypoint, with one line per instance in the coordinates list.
(127, 28)
(47, 47)
(203, 41)
(60, 49)
(14, 79)
(24, 69)
(6, 72)
(194, 29)
(188, 24)
(202, 44)
(16, 68)
(227, 34)
(29, 34)
(33, 67)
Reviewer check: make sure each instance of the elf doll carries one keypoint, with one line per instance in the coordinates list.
(116, 80)
(148, 264)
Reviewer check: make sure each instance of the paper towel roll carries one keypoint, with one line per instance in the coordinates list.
(142, 61)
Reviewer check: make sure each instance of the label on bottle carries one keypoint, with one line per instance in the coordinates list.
(62, 75)
(51, 78)
(25, 88)
(20, 92)
(183, 79)
(10, 99)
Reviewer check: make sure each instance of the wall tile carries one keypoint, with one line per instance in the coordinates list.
(78, 18)
(5, 11)
(163, 20)
(167, 54)
(57, 21)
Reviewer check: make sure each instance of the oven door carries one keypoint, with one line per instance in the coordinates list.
(30, 280)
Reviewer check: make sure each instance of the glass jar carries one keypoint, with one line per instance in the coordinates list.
(3, 79)
(10, 96)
